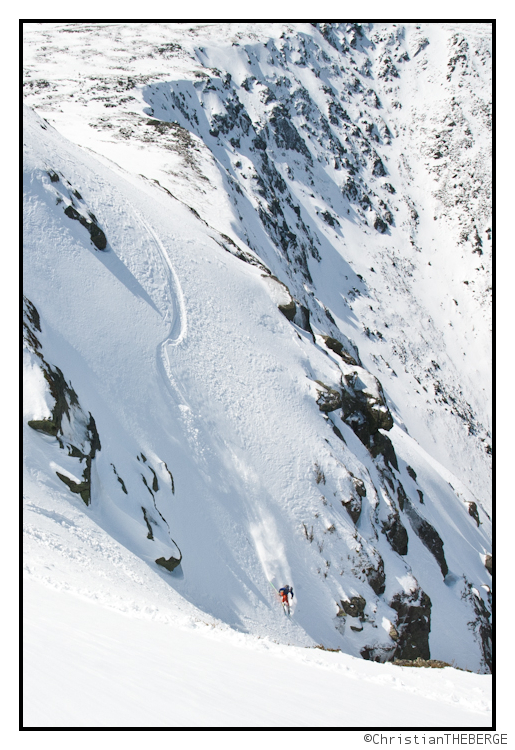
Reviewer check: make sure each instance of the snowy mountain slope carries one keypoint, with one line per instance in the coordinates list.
(343, 94)
(170, 399)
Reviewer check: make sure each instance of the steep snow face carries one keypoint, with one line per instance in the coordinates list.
(257, 344)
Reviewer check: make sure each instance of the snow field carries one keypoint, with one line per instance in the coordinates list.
(102, 669)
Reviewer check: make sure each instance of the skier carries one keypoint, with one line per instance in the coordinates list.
(283, 593)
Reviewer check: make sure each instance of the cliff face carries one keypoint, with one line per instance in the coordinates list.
(257, 279)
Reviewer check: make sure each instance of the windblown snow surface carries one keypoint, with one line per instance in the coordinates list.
(257, 350)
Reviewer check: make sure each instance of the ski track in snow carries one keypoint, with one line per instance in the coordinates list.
(178, 330)
(179, 321)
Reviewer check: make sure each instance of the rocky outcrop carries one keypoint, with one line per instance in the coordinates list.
(172, 561)
(150, 534)
(81, 488)
(281, 296)
(353, 607)
(378, 652)
(66, 412)
(91, 438)
(338, 348)
(427, 534)
(329, 399)
(364, 404)
(365, 411)
(76, 209)
(481, 624)
(472, 509)
(359, 486)
(301, 319)
(381, 445)
(352, 505)
(376, 576)
(288, 310)
(413, 624)
(285, 134)
(396, 534)
(353, 502)
(98, 237)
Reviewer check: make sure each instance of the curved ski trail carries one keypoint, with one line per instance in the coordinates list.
(179, 327)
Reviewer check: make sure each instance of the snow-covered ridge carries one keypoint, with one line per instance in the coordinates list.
(284, 341)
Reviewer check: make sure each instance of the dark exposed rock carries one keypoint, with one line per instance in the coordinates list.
(489, 563)
(353, 507)
(47, 426)
(381, 445)
(171, 479)
(354, 607)
(231, 247)
(376, 577)
(378, 169)
(155, 483)
(359, 486)
(413, 624)
(80, 488)
(353, 503)
(122, 483)
(288, 310)
(329, 399)
(388, 217)
(396, 534)
(31, 315)
(427, 534)
(350, 190)
(288, 306)
(401, 496)
(481, 625)
(337, 347)
(169, 564)
(65, 402)
(64, 398)
(97, 235)
(379, 224)
(412, 473)
(365, 411)
(377, 653)
(330, 219)
(150, 534)
(364, 405)
(301, 318)
(421, 44)
(259, 142)
(387, 69)
(286, 136)
(247, 83)
(338, 433)
(472, 508)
